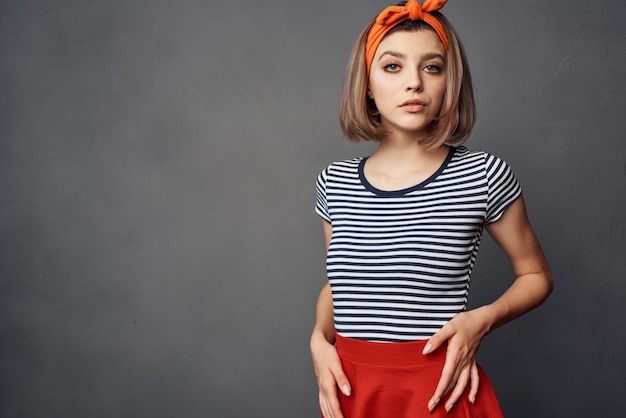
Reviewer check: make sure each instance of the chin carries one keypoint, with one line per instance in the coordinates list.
(413, 127)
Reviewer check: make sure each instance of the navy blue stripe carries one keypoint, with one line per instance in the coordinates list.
(426, 236)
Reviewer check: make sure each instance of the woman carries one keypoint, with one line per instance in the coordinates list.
(392, 336)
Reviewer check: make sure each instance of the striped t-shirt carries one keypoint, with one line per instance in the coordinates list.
(399, 262)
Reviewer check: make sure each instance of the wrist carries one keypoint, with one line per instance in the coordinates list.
(321, 338)
(490, 317)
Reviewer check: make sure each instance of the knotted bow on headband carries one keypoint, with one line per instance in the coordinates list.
(393, 15)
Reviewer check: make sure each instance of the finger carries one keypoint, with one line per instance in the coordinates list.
(335, 408)
(437, 339)
(328, 391)
(449, 375)
(332, 379)
(440, 390)
(474, 382)
(329, 399)
(330, 406)
(339, 378)
(326, 413)
(458, 390)
(342, 380)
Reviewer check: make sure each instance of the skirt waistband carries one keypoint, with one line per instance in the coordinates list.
(391, 354)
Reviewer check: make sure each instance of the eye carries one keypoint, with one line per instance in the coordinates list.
(392, 68)
(432, 68)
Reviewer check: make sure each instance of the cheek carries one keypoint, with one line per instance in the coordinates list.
(440, 94)
(381, 92)
(382, 85)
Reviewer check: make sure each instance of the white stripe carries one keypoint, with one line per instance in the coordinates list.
(405, 259)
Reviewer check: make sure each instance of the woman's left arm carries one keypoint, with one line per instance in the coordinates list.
(533, 283)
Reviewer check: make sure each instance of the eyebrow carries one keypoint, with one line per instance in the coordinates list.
(400, 55)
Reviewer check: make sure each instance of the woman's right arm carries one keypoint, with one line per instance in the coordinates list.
(326, 361)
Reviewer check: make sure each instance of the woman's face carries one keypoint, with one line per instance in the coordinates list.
(407, 80)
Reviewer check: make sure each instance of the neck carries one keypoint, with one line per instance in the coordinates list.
(397, 165)
(406, 149)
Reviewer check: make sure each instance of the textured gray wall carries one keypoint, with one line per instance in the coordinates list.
(159, 253)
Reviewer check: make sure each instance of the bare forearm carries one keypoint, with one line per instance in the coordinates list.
(534, 282)
(526, 293)
(324, 323)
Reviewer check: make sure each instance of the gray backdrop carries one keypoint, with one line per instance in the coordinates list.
(159, 252)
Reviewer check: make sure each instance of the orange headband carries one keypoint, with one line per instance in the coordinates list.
(394, 15)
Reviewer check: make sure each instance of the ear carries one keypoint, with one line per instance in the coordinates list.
(369, 94)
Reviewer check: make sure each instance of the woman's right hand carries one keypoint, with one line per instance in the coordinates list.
(330, 376)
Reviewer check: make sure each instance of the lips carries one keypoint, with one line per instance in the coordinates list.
(413, 105)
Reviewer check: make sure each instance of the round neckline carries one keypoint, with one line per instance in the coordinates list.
(400, 192)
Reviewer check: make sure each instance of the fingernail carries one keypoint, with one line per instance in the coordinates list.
(427, 348)
(432, 404)
(448, 408)
(473, 399)
(346, 390)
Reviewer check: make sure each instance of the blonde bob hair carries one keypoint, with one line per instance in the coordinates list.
(359, 117)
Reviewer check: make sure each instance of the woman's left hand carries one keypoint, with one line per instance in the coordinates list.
(463, 334)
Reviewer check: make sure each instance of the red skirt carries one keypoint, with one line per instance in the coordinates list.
(395, 380)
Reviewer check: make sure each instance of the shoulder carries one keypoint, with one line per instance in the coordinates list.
(463, 153)
(465, 156)
(347, 166)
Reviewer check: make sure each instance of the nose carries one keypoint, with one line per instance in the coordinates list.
(414, 81)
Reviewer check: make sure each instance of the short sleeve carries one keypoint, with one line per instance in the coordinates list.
(504, 188)
(322, 204)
